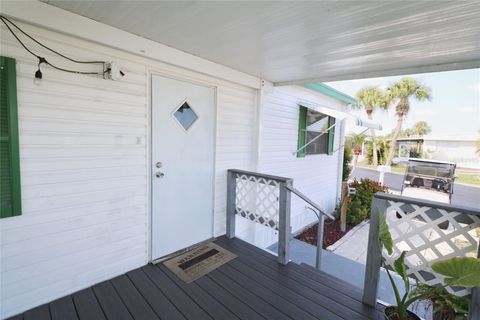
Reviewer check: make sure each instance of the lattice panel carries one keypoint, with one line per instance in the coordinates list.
(257, 199)
(428, 235)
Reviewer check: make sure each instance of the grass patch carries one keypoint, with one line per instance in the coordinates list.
(468, 178)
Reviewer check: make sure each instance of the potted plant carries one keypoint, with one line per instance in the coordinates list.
(459, 272)
(400, 311)
(444, 305)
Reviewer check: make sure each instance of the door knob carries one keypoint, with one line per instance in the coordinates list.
(159, 174)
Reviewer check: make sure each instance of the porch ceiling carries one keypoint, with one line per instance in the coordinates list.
(289, 42)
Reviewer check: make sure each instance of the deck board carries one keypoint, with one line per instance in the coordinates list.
(335, 301)
(154, 296)
(111, 304)
(260, 306)
(188, 307)
(38, 313)
(253, 287)
(87, 305)
(63, 308)
(134, 301)
(239, 308)
(212, 306)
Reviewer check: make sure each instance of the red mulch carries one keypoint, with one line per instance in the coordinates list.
(331, 234)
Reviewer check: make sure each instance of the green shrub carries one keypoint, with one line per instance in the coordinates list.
(359, 206)
(347, 157)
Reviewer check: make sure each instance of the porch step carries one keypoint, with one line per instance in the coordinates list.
(341, 285)
(306, 278)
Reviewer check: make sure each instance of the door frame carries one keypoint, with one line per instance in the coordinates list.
(150, 167)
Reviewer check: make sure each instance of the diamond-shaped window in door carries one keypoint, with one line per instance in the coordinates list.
(185, 116)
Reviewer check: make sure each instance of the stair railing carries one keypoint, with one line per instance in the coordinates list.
(266, 199)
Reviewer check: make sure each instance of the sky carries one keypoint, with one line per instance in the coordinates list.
(454, 109)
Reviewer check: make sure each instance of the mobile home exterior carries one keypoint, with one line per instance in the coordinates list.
(104, 165)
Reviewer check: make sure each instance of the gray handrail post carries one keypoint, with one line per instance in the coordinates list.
(374, 253)
(474, 307)
(321, 220)
(231, 203)
(284, 230)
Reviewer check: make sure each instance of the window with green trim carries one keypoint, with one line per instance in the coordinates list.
(311, 125)
(10, 198)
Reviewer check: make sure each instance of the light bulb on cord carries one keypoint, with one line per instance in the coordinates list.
(38, 74)
(38, 77)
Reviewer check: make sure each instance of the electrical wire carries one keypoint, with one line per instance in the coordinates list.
(46, 47)
(43, 60)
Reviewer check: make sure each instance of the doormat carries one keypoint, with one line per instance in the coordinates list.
(198, 262)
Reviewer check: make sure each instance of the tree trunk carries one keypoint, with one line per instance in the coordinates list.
(374, 143)
(391, 152)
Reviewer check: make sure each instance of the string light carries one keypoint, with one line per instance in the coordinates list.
(38, 73)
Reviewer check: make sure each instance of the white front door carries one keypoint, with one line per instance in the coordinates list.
(183, 137)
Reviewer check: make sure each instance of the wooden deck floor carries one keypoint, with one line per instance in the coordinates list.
(252, 286)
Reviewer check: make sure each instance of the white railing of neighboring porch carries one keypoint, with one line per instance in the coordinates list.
(429, 232)
(266, 199)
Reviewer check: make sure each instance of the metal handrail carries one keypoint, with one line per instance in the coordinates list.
(320, 215)
(310, 202)
(286, 188)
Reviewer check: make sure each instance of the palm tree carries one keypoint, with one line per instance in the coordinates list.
(421, 128)
(357, 143)
(400, 92)
(371, 98)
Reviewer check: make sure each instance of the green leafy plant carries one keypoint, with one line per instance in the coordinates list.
(409, 297)
(459, 271)
(359, 206)
(347, 157)
(446, 306)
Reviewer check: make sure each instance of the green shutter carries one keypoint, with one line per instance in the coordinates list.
(10, 198)
(331, 135)
(302, 131)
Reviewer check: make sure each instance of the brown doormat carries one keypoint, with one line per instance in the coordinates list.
(198, 262)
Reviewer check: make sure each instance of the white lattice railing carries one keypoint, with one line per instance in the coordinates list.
(263, 199)
(428, 231)
(429, 235)
(257, 199)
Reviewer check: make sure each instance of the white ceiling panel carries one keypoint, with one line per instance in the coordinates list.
(290, 41)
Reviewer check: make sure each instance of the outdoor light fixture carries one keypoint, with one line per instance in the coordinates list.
(38, 74)
(110, 70)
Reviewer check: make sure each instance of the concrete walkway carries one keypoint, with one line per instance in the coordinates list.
(353, 245)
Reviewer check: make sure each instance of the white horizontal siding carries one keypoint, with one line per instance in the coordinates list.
(83, 157)
(235, 143)
(84, 168)
(314, 175)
